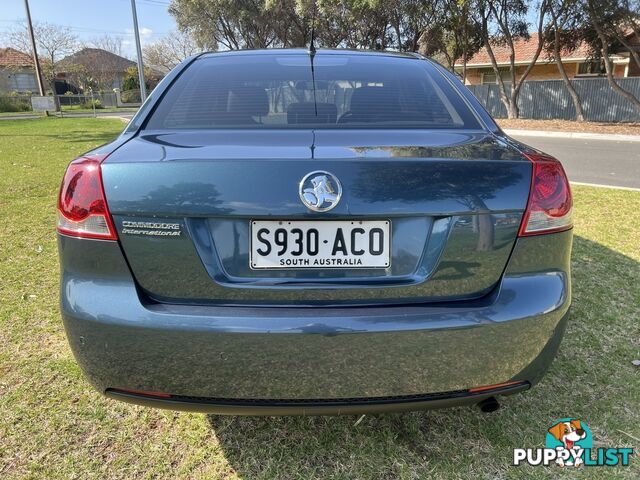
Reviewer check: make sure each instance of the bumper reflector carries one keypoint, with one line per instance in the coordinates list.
(493, 387)
(142, 392)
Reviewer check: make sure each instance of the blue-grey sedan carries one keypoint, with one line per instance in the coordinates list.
(289, 232)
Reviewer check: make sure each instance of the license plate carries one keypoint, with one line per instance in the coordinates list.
(320, 244)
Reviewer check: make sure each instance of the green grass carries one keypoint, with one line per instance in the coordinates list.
(53, 425)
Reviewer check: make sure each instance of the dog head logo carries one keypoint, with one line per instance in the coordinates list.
(570, 437)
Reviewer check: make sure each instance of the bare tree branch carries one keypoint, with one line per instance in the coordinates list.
(54, 42)
(106, 42)
(170, 50)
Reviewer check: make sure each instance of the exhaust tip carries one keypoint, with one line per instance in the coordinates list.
(489, 405)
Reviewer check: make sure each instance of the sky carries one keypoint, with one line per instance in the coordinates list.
(94, 18)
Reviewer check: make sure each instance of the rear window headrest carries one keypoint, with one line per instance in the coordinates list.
(305, 112)
(374, 100)
(247, 100)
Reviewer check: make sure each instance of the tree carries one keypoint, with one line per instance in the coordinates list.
(293, 27)
(231, 24)
(446, 29)
(170, 50)
(503, 22)
(53, 42)
(632, 20)
(80, 77)
(131, 80)
(107, 42)
(629, 22)
(452, 35)
(372, 24)
(565, 25)
(617, 19)
(409, 20)
(606, 18)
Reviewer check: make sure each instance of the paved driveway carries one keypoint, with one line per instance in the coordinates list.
(606, 162)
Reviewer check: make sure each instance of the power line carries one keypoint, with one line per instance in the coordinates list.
(154, 3)
(89, 29)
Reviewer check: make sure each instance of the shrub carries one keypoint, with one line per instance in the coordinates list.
(130, 96)
(15, 104)
(88, 104)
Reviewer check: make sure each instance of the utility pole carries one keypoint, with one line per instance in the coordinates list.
(36, 62)
(143, 90)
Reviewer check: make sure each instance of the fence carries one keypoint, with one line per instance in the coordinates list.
(538, 99)
(549, 99)
(87, 101)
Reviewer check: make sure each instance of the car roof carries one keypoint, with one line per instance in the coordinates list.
(319, 51)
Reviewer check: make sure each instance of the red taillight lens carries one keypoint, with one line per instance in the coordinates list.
(550, 203)
(82, 208)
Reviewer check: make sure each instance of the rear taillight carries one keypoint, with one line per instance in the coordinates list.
(549, 206)
(82, 208)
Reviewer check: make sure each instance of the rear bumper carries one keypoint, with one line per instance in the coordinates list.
(353, 359)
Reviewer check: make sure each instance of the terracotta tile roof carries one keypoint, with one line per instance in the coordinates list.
(525, 51)
(10, 57)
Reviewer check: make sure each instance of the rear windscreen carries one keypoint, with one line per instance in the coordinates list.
(291, 91)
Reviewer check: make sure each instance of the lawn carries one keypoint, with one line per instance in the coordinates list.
(53, 425)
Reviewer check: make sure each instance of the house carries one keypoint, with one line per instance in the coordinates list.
(577, 63)
(94, 67)
(16, 72)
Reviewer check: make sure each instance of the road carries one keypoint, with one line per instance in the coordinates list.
(605, 162)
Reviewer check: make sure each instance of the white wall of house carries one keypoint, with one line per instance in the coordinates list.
(17, 81)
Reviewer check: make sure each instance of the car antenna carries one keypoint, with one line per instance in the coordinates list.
(312, 47)
(312, 54)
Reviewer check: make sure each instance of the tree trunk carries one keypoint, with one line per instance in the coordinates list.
(464, 68)
(398, 35)
(577, 103)
(483, 224)
(503, 91)
(516, 84)
(575, 98)
(507, 100)
(607, 65)
(513, 111)
(450, 62)
(465, 42)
